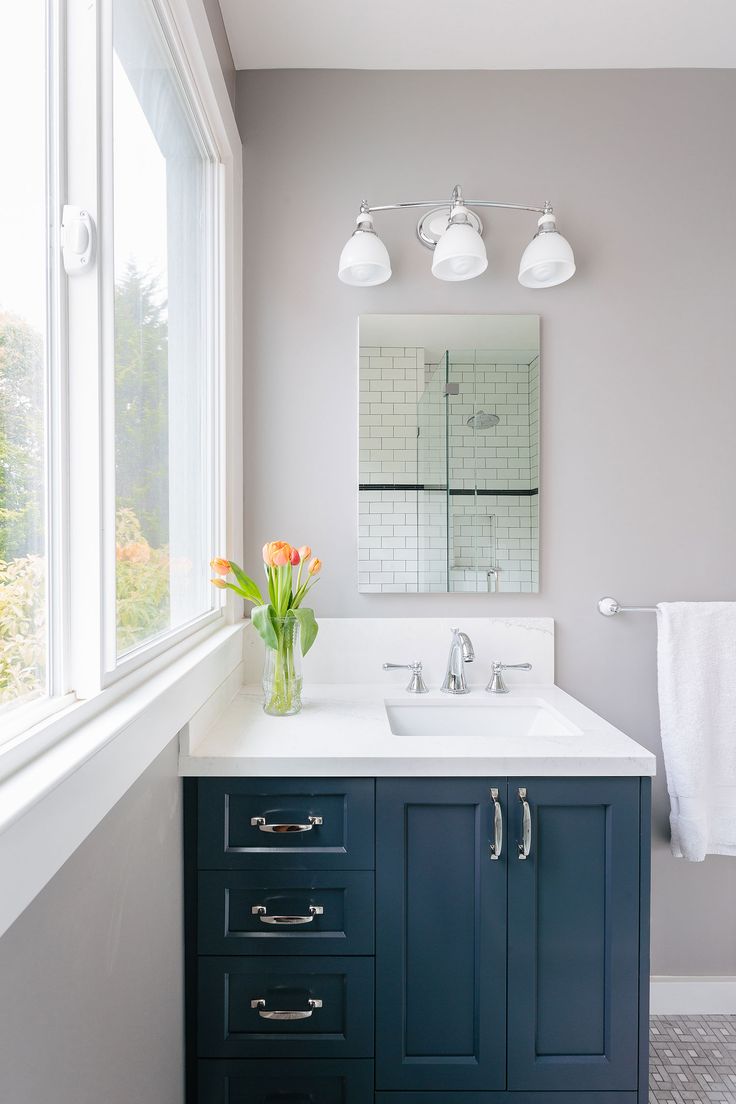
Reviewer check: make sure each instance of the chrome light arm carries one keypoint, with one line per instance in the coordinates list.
(455, 199)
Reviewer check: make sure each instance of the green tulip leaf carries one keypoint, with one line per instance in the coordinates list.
(309, 627)
(262, 623)
(247, 586)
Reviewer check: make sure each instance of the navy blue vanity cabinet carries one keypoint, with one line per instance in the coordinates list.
(285, 824)
(422, 940)
(440, 936)
(573, 934)
(304, 912)
(280, 940)
(315, 1081)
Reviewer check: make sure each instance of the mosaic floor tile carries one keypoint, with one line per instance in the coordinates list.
(692, 1060)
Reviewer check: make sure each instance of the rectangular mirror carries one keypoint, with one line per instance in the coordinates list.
(448, 486)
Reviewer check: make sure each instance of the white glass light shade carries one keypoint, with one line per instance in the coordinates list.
(548, 259)
(364, 262)
(460, 254)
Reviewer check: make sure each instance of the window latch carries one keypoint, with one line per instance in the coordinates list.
(77, 240)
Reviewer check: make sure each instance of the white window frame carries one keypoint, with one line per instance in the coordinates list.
(17, 719)
(93, 643)
(84, 680)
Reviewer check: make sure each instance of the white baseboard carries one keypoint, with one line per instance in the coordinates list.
(693, 996)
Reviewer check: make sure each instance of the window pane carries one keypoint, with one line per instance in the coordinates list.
(23, 355)
(162, 327)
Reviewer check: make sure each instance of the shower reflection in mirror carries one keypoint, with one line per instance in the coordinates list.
(448, 496)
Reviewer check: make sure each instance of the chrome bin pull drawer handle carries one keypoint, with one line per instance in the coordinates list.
(260, 824)
(525, 846)
(497, 844)
(263, 916)
(277, 1014)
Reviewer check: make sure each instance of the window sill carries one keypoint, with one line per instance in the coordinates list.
(50, 804)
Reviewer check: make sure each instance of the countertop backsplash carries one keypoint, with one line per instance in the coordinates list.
(353, 649)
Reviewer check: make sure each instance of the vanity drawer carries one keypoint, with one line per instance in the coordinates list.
(231, 1025)
(321, 912)
(280, 824)
(314, 1081)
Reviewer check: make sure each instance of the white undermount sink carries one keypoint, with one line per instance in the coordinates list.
(477, 717)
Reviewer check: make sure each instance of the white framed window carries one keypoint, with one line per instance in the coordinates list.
(117, 447)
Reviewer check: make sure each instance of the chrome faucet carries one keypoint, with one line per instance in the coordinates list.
(461, 652)
(497, 684)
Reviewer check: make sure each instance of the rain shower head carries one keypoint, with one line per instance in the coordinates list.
(482, 420)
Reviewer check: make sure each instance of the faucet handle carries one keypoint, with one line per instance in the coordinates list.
(497, 684)
(417, 684)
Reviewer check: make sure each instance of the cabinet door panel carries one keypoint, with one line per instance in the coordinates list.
(440, 937)
(573, 936)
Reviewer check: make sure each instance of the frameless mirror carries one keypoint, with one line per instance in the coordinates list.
(448, 495)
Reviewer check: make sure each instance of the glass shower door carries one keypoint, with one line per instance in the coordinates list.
(471, 425)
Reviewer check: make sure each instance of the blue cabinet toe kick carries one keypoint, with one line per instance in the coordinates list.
(505, 1098)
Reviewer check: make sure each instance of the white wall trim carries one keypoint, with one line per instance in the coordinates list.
(53, 803)
(207, 717)
(693, 996)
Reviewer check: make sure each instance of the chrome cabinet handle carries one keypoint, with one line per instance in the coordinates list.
(497, 844)
(526, 825)
(260, 824)
(265, 918)
(278, 1014)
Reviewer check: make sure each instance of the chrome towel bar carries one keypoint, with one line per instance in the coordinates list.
(609, 607)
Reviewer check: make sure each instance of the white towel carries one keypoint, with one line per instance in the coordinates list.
(696, 659)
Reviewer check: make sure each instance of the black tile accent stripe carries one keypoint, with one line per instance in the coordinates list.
(520, 491)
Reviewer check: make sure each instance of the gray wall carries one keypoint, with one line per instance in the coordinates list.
(91, 975)
(638, 382)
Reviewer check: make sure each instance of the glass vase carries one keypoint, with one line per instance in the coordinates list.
(282, 671)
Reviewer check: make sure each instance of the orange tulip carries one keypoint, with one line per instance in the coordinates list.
(219, 583)
(315, 566)
(270, 550)
(281, 557)
(222, 567)
(305, 552)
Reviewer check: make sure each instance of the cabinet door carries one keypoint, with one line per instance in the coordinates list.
(574, 935)
(440, 936)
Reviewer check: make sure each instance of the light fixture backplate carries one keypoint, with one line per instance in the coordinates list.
(432, 226)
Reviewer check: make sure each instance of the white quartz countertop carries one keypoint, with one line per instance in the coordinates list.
(344, 731)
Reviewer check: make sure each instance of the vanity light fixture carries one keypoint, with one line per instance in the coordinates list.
(454, 233)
